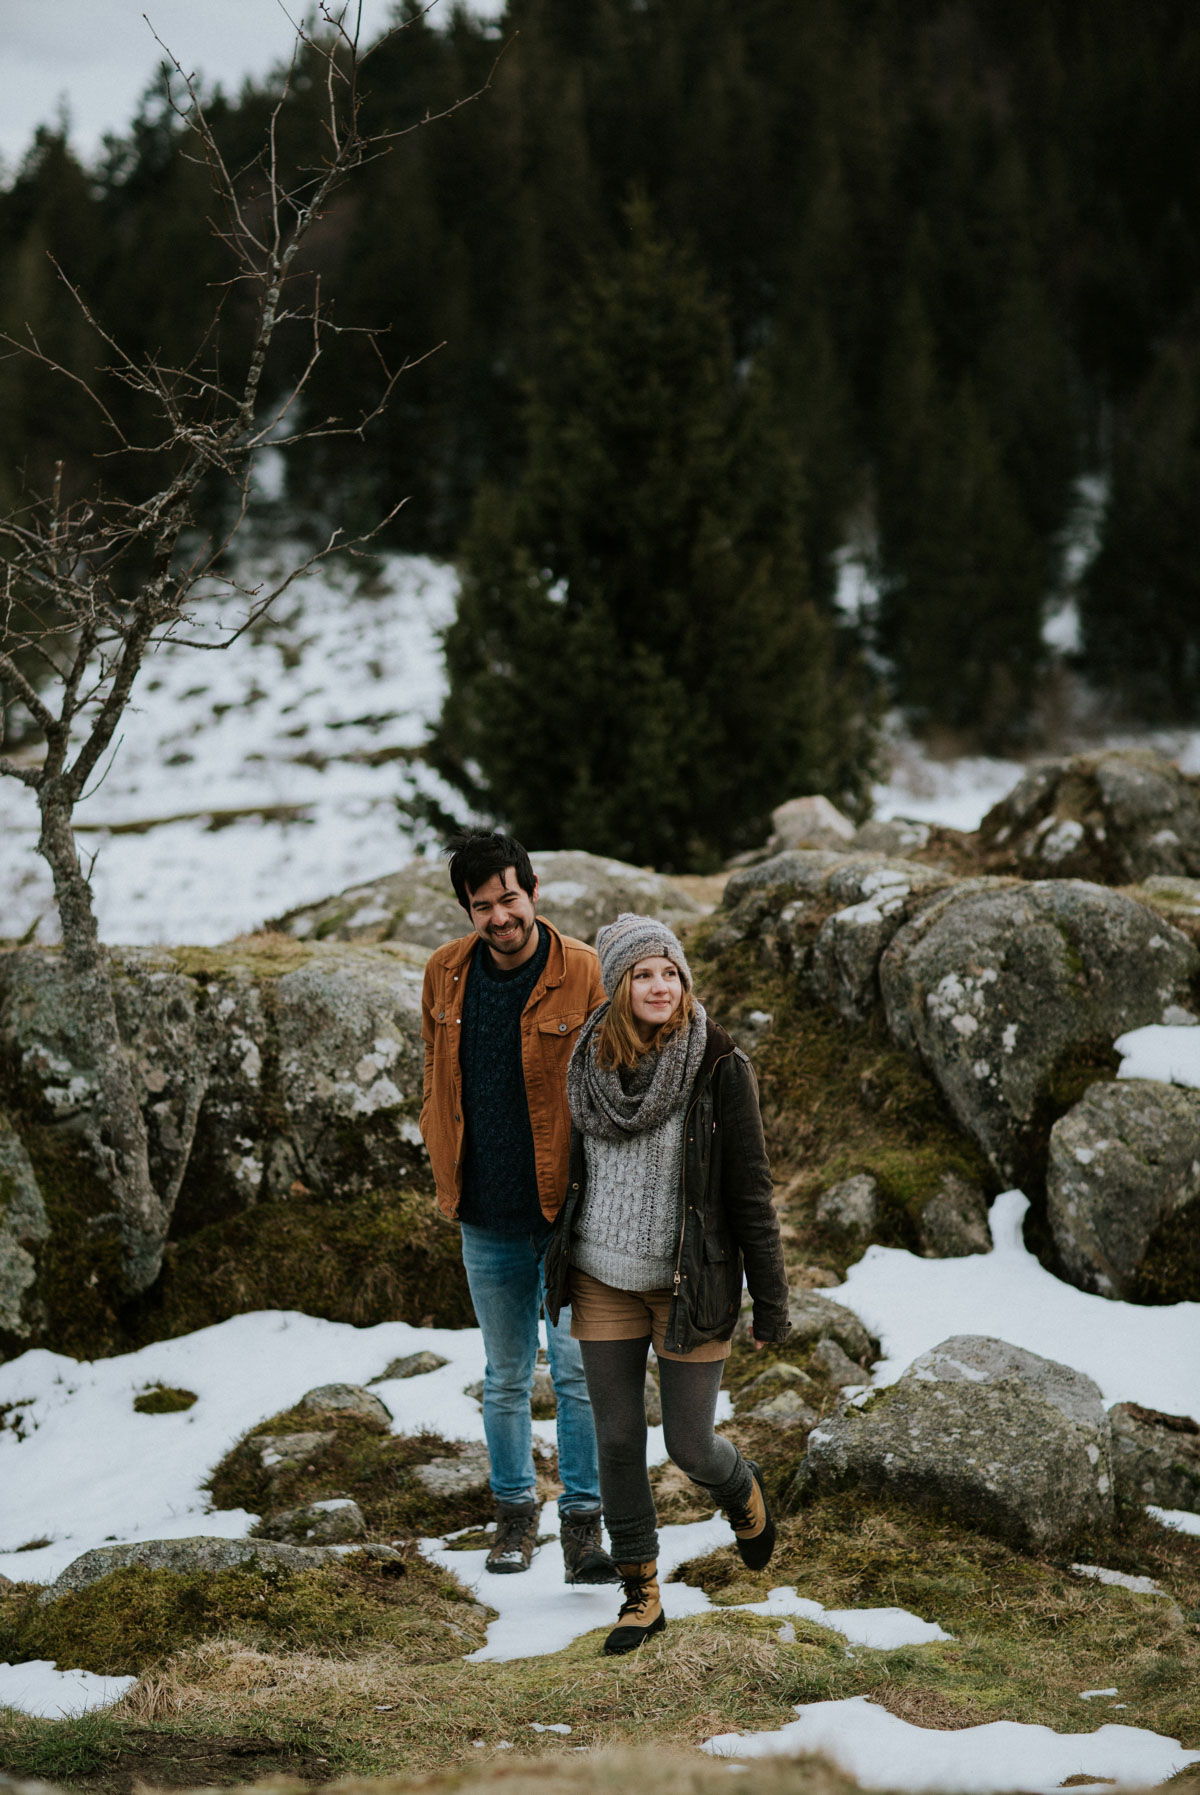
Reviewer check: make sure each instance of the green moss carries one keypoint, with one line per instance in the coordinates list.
(372, 1466)
(135, 1618)
(161, 1399)
(268, 955)
(329, 925)
(388, 1256)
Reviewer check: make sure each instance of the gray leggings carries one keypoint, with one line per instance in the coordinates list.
(616, 1380)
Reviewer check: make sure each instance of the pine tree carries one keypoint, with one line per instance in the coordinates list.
(1140, 606)
(636, 666)
(963, 570)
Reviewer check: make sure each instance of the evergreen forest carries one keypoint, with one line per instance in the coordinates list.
(711, 290)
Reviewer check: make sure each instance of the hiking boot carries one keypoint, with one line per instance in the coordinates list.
(584, 1557)
(752, 1524)
(641, 1612)
(516, 1536)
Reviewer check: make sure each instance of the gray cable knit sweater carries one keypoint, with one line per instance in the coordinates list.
(628, 1232)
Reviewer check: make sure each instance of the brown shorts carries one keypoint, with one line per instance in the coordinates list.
(598, 1312)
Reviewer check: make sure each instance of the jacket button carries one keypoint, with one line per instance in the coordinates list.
(574, 1187)
(441, 1015)
(562, 1028)
(458, 1118)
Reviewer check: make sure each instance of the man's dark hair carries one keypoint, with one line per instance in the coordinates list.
(477, 855)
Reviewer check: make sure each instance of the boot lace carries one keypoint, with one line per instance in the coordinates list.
(636, 1591)
(510, 1532)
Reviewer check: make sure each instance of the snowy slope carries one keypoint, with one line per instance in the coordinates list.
(269, 774)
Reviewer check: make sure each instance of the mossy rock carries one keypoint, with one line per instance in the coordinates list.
(308, 1063)
(135, 1618)
(375, 1469)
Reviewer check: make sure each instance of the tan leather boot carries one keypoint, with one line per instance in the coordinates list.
(641, 1613)
(753, 1525)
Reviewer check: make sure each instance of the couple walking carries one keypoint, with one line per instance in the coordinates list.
(598, 1139)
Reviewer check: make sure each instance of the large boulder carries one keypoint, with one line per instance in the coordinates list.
(1116, 817)
(827, 915)
(1156, 1457)
(578, 893)
(809, 823)
(300, 1065)
(23, 1228)
(198, 1553)
(1014, 1445)
(1123, 1184)
(1006, 990)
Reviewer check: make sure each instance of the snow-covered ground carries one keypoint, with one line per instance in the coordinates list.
(90, 1470)
(275, 772)
(259, 776)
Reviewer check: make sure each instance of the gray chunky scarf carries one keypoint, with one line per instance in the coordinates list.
(611, 1105)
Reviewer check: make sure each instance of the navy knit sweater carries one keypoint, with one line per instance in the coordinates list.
(499, 1171)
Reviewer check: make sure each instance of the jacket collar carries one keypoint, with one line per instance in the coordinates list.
(718, 1045)
(556, 960)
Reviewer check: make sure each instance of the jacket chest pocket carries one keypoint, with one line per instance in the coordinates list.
(562, 1027)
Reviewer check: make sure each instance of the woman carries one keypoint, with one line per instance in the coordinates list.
(669, 1192)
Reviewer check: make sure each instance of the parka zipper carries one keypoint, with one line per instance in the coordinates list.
(683, 1183)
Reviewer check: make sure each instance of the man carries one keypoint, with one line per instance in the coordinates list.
(500, 1013)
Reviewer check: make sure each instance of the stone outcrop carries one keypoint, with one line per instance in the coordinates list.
(23, 1228)
(954, 1222)
(1156, 1457)
(460, 1475)
(335, 1522)
(301, 1065)
(815, 1318)
(1000, 987)
(347, 1400)
(413, 1364)
(280, 1453)
(827, 915)
(1013, 1445)
(809, 823)
(850, 1210)
(1117, 817)
(1125, 1164)
(198, 1553)
(578, 893)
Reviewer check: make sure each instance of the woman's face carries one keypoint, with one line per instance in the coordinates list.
(655, 993)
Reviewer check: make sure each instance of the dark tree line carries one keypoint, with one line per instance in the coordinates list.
(955, 250)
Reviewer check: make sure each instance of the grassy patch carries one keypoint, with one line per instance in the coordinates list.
(161, 1399)
(135, 1619)
(373, 1467)
(1029, 1633)
(388, 1256)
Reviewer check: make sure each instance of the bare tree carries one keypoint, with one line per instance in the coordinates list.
(89, 587)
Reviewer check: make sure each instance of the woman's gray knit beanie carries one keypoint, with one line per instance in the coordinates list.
(631, 938)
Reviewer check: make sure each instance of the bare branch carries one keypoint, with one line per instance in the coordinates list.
(27, 693)
(27, 775)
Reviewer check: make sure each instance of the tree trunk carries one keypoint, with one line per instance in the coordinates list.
(121, 1127)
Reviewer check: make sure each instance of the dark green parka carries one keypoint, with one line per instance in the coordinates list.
(729, 1220)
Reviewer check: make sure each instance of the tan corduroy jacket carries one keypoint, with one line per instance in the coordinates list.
(565, 995)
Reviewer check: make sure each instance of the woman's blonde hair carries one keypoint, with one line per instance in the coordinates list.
(618, 1044)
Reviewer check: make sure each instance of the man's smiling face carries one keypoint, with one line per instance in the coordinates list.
(503, 916)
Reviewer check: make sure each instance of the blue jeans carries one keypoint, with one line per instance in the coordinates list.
(504, 1272)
